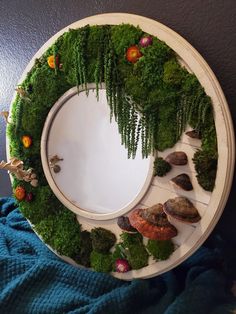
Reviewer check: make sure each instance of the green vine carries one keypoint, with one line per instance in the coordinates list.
(81, 53)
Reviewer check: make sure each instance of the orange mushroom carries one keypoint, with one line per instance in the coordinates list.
(152, 223)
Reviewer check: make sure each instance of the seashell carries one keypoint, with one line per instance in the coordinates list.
(124, 223)
(182, 209)
(152, 223)
(183, 181)
(194, 134)
(177, 158)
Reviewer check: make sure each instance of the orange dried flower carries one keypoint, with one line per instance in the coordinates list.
(51, 61)
(26, 140)
(133, 54)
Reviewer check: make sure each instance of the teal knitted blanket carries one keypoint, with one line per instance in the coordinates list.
(34, 280)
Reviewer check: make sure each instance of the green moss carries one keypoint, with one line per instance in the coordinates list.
(48, 88)
(205, 163)
(125, 69)
(209, 138)
(44, 204)
(163, 104)
(14, 145)
(150, 67)
(173, 73)
(102, 239)
(190, 84)
(206, 159)
(131, 238)
(137, 256)
(160, 250)
(161, 167)
(134, 250)
(94, 41)
(134, 87)
(124, 36)
(101, 262)
(67, 53)
(61, 232)
(83, 256)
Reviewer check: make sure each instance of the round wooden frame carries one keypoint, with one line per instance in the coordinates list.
(211, 205)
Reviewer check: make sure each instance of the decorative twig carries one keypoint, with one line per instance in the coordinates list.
(22, 93)
(54, 160)
(5, 114)
(16, 167)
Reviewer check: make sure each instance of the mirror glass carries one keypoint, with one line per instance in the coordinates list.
(95, 173)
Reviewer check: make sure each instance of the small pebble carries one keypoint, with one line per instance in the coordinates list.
(56, 168)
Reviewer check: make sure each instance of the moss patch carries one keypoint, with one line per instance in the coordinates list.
(160, 250)
(132, 249)
(61, 232)
(161, 167)
(101, 262)
(102, 240)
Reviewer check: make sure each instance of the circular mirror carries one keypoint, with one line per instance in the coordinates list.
(85, 164)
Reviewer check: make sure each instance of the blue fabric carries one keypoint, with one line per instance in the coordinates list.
(34, 280)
